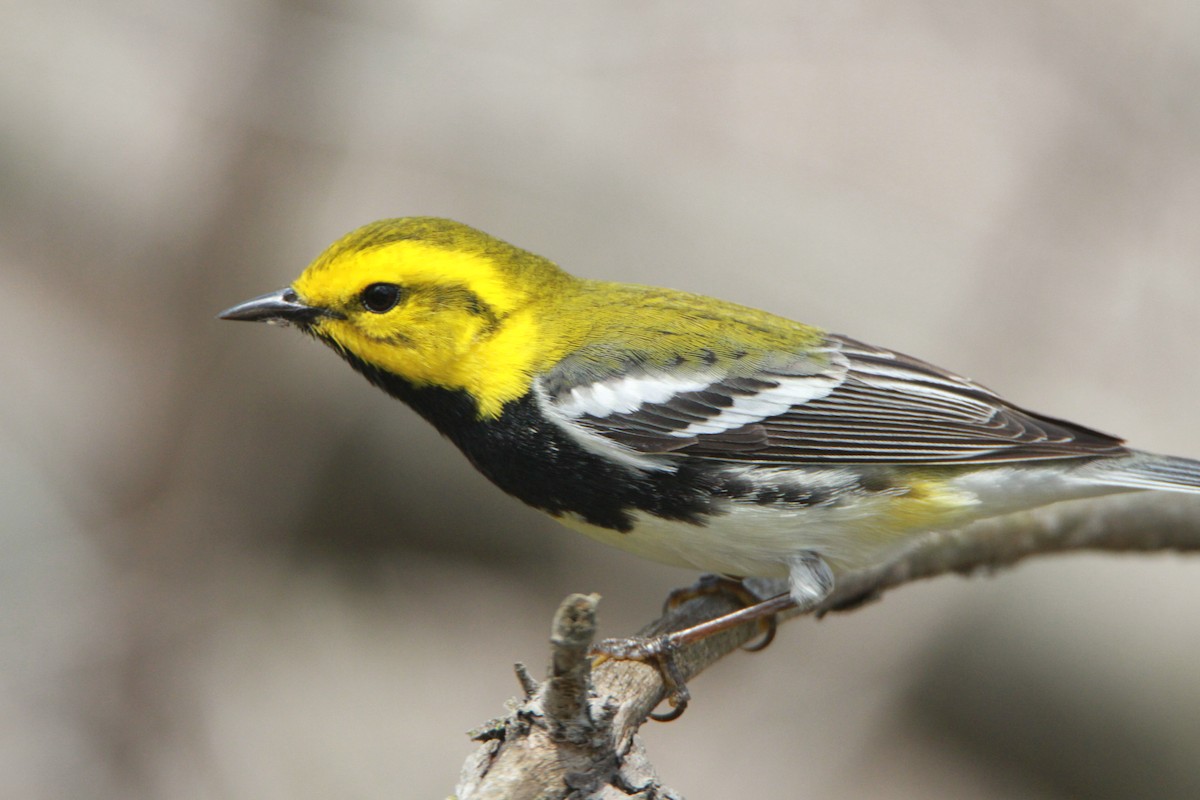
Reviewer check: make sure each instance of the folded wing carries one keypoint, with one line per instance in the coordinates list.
(846, 403)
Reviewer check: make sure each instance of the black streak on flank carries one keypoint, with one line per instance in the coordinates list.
(782, 494)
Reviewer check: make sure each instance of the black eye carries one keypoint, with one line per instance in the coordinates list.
(380, 297)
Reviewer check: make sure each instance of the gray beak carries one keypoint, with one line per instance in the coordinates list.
(281, 306)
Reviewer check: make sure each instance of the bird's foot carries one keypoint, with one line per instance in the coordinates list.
(662, 651)
(658, 651)
(709, 584)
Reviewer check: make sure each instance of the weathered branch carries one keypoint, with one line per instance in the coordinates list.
(574, 736)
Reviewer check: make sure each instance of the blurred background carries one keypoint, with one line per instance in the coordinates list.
(230, 569)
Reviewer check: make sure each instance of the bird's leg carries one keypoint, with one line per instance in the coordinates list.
(811, 582)
(729, 586)
(660, 650)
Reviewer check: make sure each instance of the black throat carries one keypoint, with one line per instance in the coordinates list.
(533, 459)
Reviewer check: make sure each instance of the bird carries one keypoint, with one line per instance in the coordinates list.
(682, 428)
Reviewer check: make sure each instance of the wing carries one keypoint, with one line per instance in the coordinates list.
(845, 403)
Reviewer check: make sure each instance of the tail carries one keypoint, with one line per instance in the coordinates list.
(1140, 470)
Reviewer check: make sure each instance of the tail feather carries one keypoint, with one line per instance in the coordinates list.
(1141, 470)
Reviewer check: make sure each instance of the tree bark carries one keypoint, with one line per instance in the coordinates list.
(574, 735)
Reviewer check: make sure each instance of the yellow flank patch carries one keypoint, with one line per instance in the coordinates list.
(929, 503)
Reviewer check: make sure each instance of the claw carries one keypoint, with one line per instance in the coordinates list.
(677, 694)
(659, 651)
(709, 584)
(721, 584)
(770, 626)
(809, 573)
(678, 703)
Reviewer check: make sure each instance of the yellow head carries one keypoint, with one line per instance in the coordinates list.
(429, 300)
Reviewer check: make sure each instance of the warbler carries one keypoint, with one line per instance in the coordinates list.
(682, 428)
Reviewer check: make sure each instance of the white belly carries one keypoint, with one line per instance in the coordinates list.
(753, 540)
(758, 541)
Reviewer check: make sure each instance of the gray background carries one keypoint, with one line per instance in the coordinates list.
(231, 570)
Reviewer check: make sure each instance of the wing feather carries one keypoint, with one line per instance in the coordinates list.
(854, 404)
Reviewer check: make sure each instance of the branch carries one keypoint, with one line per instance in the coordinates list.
(574, 736)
